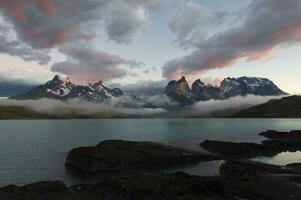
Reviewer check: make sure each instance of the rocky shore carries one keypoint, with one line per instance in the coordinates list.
(175, 186)
(239, 178)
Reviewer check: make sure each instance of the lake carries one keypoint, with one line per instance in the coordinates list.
(35, 150)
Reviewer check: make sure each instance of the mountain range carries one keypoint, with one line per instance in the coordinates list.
(229, 87)
(178, 91)
(63, 89)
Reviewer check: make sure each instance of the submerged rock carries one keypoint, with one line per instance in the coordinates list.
(112, 155)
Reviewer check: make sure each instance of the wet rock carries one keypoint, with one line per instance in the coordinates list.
(113, 155)
(239, 150)
(252, 168)
(36, 191)
(267, 148)
(175, 186)
(285, 136)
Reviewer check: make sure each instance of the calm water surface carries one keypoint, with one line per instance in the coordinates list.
(35, 150)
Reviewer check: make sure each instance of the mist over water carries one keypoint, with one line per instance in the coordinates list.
(78, 106)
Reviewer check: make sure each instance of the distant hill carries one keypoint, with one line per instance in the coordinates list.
(287, 107)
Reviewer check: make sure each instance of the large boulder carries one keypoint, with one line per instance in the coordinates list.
(112, 155)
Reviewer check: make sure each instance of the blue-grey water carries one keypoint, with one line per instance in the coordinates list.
(35, 150)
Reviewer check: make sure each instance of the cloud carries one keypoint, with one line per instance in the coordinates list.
(16, 48)
(47, 23)
(144, 88)
(11, 46)
(87, 64)
(268, 25)
(9, 87)
(75, 107)
(125, 21)
(192, 20)
(228, 106)
(41, 25)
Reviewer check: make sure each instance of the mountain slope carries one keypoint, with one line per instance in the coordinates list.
(179, 91)
(287, 107)
(230, 87)
(62, 89)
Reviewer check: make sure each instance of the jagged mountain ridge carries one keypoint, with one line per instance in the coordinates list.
(229, 87)
(63, 89)
(178, 92)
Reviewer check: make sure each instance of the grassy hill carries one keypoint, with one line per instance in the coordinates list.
(287, 107)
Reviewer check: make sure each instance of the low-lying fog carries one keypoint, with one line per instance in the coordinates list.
(50, 106)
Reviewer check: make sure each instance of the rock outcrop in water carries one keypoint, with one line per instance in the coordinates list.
(112, 155)
(252, 168)
(292, 136)
(278, 142)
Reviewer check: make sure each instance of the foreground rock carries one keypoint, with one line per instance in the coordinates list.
(252, 168)
(161, 187)
(112, 155)
(278, 142)
(239, 150)
(292, 136)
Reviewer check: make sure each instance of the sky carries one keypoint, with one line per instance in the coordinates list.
(131, 41)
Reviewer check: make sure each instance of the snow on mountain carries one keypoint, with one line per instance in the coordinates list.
(230, 87)
(63, 89)
(249, 85)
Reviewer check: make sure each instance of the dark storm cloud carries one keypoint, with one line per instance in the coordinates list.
(268, 25)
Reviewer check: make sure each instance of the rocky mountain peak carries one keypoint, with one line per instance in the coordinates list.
(98, 85)
(183, 79)
(63, 89)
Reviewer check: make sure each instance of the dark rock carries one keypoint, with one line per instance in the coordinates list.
(239, 150)
(179, 91)
(175, 186)
(249, 85)
(294, 136)
(252, 168)
(250, 150)
(115, 155)
(294, 165)
(47, 190)
(202, 92)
